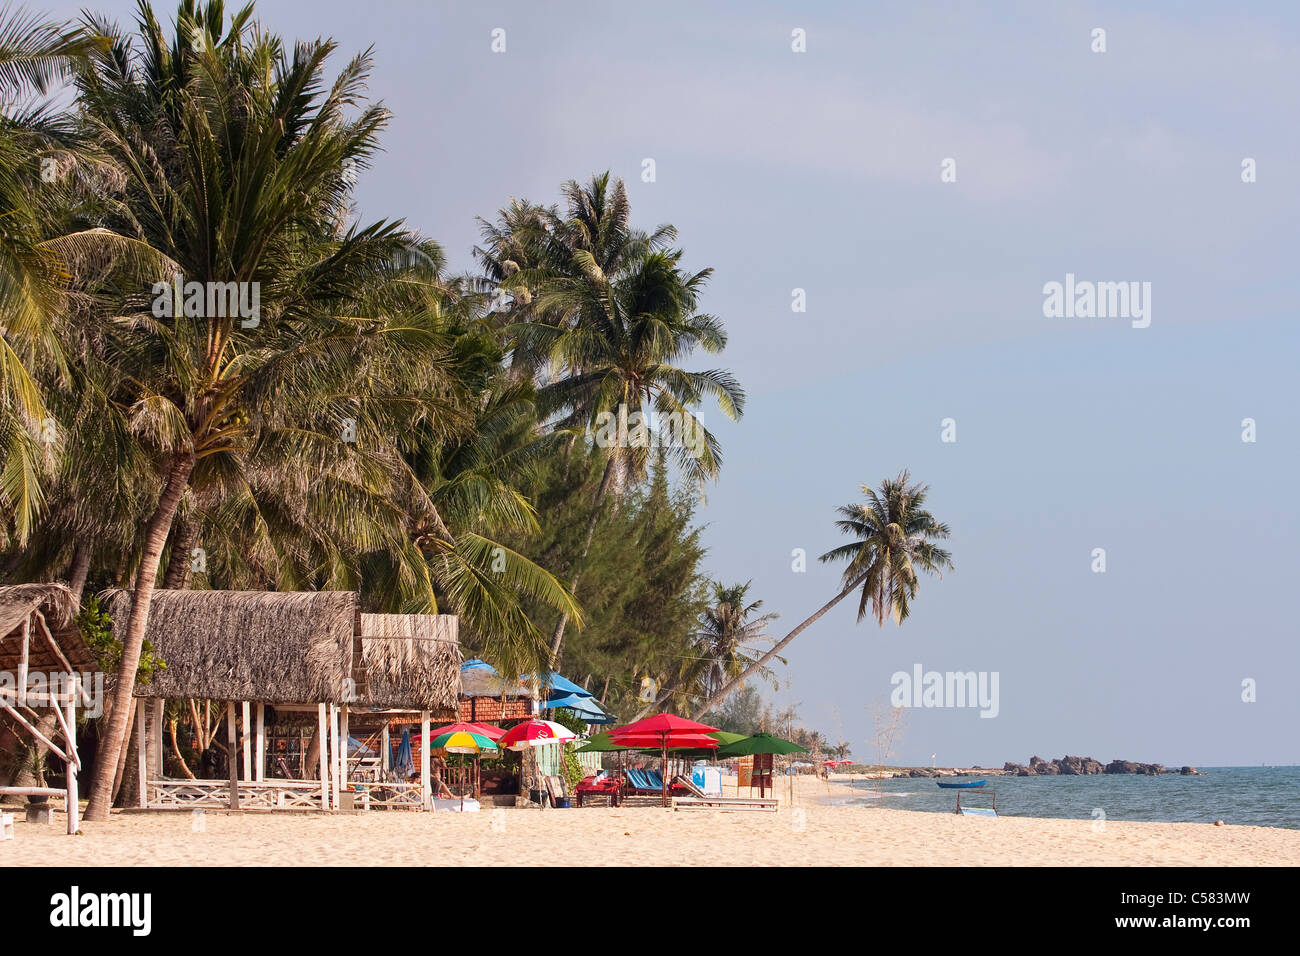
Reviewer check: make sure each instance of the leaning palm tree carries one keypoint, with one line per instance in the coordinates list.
(237, 155)
(893, 538)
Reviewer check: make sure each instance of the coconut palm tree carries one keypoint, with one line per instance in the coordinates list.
(727, 642)
(38, 144)
(614, 318)
(893, 538)
(237, 157)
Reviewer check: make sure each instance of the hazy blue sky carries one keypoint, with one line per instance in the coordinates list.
(821, 171)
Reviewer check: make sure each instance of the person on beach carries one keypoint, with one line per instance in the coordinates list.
(439, 786)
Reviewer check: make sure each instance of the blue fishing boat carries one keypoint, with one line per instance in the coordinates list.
(967, 785)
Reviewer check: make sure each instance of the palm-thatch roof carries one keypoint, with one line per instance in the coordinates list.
(408, 657)
(270, 646)
(18, 603)
(295, 648)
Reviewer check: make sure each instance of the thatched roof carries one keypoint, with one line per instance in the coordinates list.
(269, 646)
(408, 658)
(297, 648)
(18, 602)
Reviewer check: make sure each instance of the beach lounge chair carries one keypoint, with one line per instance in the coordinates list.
(638, 783)
(689, 786)
(768, 804)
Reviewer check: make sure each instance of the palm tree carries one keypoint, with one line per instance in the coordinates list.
(237, 156)
(36, 142)
(613, 324)
(724, 645)
(894, 537)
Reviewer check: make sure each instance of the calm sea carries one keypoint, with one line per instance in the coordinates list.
(1248, 796)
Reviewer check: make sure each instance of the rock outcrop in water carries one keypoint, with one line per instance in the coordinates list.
(1079, 766)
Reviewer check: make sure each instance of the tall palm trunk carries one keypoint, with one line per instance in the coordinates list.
(177, 574)
(159, 526)
(78, 572)
(725, 690)
(606, 480)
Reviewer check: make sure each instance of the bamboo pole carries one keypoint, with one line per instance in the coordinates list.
(232, 754)
(53, 747)
(141, 758)
(22, 661)
(336, 764)
(248, 740)
(424, 760)
(74, 766)
(260, 766)
(322, 730)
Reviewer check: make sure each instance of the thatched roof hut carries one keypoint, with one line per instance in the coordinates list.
(297, 647)
(53, 602)
(405, 657)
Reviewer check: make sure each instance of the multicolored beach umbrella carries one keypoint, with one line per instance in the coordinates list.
(536, 733)
(462, 742)
(487, 730)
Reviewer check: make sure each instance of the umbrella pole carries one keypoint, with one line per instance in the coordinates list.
(663, 766)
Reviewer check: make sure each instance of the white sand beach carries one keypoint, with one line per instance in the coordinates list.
(811, 833)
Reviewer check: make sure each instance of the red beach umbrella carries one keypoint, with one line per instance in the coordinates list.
(666, 730)
(533, 733)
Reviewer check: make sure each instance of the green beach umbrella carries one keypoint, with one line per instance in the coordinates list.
(721, 736)
(759, 744)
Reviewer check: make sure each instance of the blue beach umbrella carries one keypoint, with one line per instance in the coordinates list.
(403, 760)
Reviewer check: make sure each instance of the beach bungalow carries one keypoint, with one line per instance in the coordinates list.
(44, 666)
(301, 672)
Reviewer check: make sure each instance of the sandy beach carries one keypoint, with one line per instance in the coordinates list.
(812, 832)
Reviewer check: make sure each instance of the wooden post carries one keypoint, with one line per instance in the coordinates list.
(232, 751)
(259, 766)
(335, 764)
(322, 728)
(385, 758)
(424, 760)
(22, 661)
(343, 754)
(156, 738)
(74, 809)
(246, 714)
(141, 755)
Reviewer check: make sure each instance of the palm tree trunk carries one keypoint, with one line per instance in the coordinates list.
(78, 572)
(160, 522)
(177, 574)
(725, 690)
(557, 639)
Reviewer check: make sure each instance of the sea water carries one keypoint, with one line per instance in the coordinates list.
(1244, 796)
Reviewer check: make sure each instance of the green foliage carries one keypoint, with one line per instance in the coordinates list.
(568, 719)
(574, 773)
(96, 627)
(744, 712)
(642, 588)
